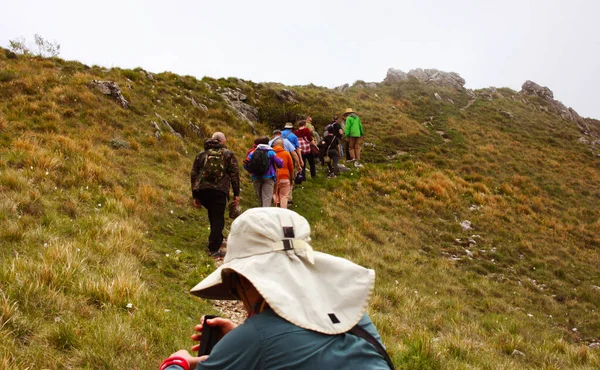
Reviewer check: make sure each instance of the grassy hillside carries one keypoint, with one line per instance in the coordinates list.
(99, 243)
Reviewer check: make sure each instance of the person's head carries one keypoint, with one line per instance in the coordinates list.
(219, 136)
(330, 130)
(276, 132)
(261, 140)
(269, 247)
(335, 118)
(278, 142)
(309, 119)
(288, 125)
(302, 124)
(348, 112)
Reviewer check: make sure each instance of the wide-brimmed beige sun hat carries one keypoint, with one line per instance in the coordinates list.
(289, 125)
(349, 110)
(313, 290)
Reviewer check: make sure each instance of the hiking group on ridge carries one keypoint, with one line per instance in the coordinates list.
(275, 166)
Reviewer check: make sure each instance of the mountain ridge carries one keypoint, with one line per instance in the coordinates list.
(479, 213)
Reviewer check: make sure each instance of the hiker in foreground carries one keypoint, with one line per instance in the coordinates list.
(354, 133)
(214, 170)
(310, 312)
(262, 163)
(285, 175)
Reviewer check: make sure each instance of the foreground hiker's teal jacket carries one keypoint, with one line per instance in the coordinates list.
(266, 341)
(353, 126)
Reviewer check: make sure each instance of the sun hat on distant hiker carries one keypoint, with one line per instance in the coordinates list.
(313, 290)
(349, 110)
(289, 125)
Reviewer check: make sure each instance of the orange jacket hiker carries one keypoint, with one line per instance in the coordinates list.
(287, 170)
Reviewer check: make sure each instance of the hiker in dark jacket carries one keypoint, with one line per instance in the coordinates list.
(214, 171)
(331, 145)
(264, 183)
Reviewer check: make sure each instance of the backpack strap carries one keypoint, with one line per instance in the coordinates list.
(362, 333)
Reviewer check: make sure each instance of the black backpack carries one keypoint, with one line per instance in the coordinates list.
(259, 162)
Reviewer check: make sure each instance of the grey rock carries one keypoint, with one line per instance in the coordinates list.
(342, 88)
(583, 140)
(431, 76)
(530, 88)
(594, 345)
(518, 353)
(244, 111)
(110, 88)
(506, 113)
(167, 125)
(287, 96)
(533, 89)
(196, 104)
(234, 95)
(437, 96)
(395, 75)
(466, 225)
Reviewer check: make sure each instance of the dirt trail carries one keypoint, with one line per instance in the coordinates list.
(233, 310)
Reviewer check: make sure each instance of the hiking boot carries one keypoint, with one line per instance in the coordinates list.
(331, 176)
(217, 254)
(358, 165)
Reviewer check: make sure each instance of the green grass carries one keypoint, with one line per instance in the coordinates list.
(99, 246)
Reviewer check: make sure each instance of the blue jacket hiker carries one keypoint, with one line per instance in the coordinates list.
(262, 163)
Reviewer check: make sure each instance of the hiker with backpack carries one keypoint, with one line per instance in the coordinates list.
(354, 133)
(262, 163)
(287, 145)
(331, 144)
(287, 133)
(213, 172)
(305, 138)
(285, 175)
(306, 309)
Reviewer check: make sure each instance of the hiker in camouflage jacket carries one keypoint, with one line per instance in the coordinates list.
(232, 172)
(213, 196)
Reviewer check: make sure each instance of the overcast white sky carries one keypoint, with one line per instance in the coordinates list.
(490, 43)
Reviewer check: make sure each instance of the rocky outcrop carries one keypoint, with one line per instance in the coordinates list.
(110, 88)
(365, 85)
(342, 88)
(530, 88)
(287, 96)
(430, 76)
(237, 100)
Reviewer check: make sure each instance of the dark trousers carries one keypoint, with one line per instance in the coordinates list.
(215, 202)
(311, 160)
(333, 163)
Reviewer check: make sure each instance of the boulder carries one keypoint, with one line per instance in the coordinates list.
(431, 76)
(287, 96)
(530, 88)
(110, 88)
(236, 100)
(395, 75)
(533, 89)
(342, 88)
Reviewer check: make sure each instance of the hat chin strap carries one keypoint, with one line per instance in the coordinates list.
(301, 248)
